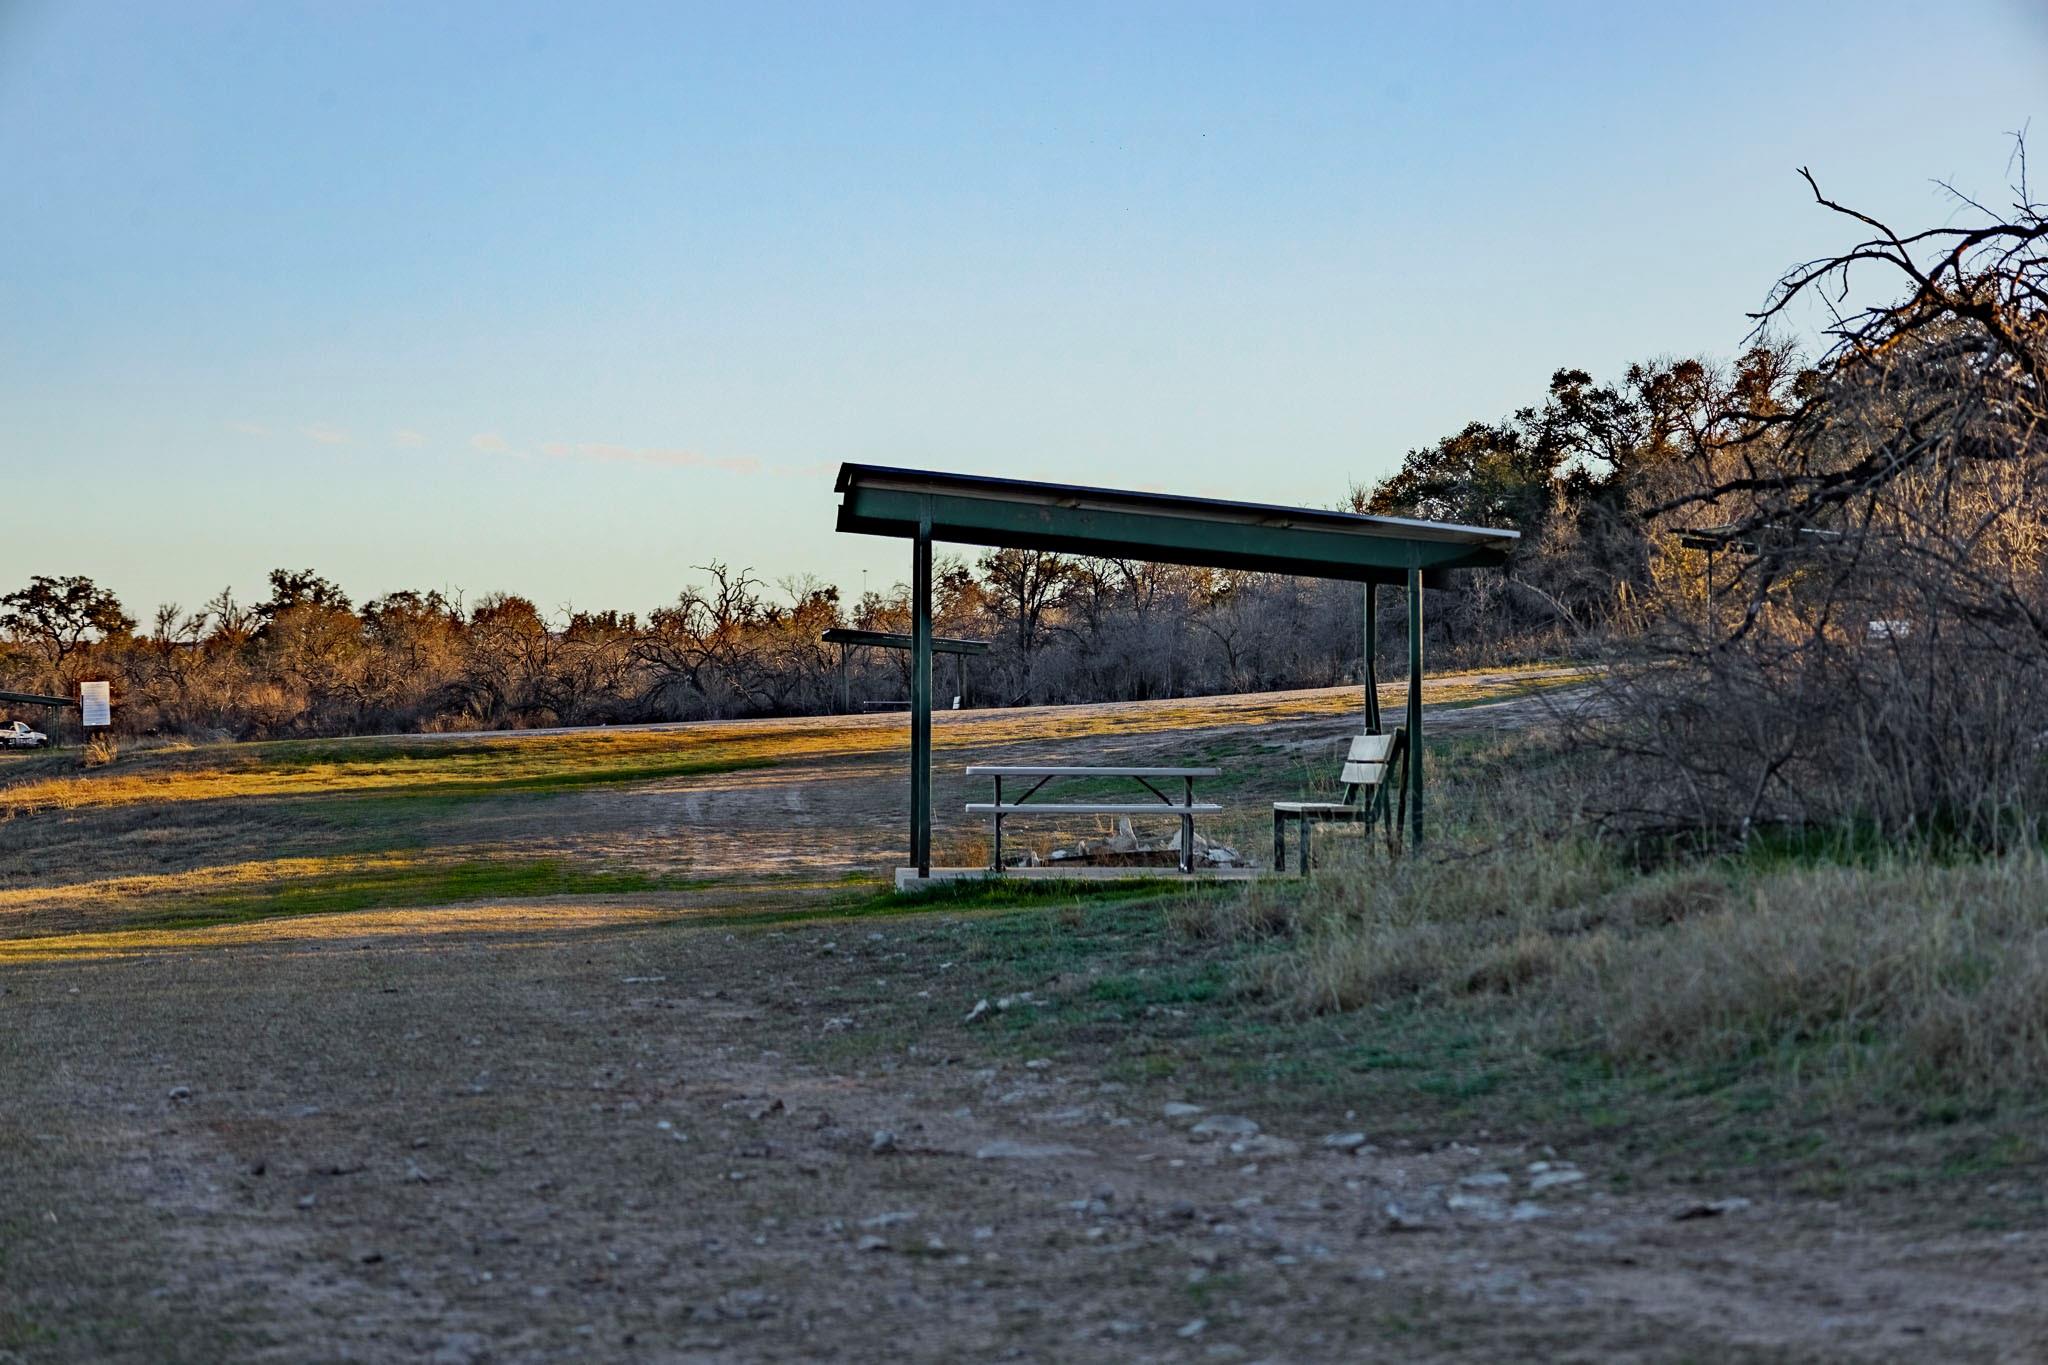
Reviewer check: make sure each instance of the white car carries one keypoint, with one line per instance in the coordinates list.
(16, 735)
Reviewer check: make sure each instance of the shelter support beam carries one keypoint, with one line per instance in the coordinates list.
(1414, 777)
(921, 698)
(1371, 667)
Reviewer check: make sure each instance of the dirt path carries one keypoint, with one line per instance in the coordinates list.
(606, 1130)
(533, 1139)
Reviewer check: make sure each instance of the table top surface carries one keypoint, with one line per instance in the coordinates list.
(1010, 770)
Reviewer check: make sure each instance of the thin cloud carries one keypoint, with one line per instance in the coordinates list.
(652, 457)
(408, 438)
(657, 456)
(326, 436)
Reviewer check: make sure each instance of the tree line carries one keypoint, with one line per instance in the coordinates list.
(307, 659)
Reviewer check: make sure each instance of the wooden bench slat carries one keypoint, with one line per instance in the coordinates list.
(1371, 748)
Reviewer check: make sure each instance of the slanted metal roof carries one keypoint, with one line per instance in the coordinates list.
(1730, 538)
(1126, 524)
(31, 699)
(886, 639)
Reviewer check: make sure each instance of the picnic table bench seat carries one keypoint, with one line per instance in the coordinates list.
(1094, 807)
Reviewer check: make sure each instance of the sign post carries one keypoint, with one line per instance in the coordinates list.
(95, 705)
(95, 716)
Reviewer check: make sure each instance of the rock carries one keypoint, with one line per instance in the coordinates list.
(1180, 1208)
(980, 1009)
(1487, 1180)
(1526, 1212)
(889, 1220)
(180, 1093)
(1038, 1064)
(1177, 1110)
(1712, 1208)
(1402, 1219)
(872, 1243)
(1343, 1142)
(883, 1143)
(1477, 1205)
(459, 1348)
(1007, 1150)
(762, 1111)
(306, 1201)
(1551, 1179)
(1225, 1125)
(1192, 1329)
(1265, 1145)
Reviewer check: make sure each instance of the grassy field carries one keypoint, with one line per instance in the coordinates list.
(615, 1045)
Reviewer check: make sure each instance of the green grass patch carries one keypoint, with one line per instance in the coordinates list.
(381, 888)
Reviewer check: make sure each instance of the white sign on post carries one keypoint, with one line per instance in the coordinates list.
(95, 704)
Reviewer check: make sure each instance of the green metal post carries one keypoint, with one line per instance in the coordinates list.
(921, 697)
(1372, 659)
(1415, 706)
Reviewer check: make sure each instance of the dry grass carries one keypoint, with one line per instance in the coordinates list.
(1935, 977)
(426, 765)
(1899, 977)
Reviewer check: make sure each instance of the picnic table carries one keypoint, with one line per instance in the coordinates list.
(1187, 808)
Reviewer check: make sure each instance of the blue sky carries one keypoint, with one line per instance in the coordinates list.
(563, 300)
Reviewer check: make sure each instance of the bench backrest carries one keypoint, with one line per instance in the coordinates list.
(1367, 763)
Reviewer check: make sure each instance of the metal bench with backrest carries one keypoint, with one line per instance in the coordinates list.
(1372, 761)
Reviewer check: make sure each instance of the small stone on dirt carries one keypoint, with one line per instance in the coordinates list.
(1487, 1180)
(980, 1008)
(1401, 1219)
(1477, 1206)
(1176, 1110)
(1344, 1142)
(1550, 1180)
(1192, 1329)
(889, 1220)
(180, 1093)
(1225, 1125)
(1265, 1145)
(1006, 1150)
(872, 1243)
(883, 1143)
(1712, 1208)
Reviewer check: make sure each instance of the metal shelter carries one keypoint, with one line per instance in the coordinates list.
(924, 506)
(32, 699)
(849, 639)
